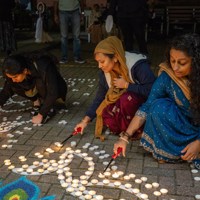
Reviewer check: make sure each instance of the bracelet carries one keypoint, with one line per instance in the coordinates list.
(123, 133)
(126, 85)
(121, 138)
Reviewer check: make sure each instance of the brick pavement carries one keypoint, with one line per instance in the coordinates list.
(82, 80)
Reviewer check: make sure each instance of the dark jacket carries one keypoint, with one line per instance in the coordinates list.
(47, 79)
(143, 77)
(137, 9)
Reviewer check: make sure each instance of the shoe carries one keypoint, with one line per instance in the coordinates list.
(79, 60)
(63, 61)
(50, 114)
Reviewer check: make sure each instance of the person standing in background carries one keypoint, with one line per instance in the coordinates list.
(7, 35)
(131, 16)
(69, 12)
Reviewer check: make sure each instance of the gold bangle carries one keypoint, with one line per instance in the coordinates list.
(124, 140)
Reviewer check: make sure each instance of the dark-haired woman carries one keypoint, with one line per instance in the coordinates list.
(125, 80)
(172, 111)
(37, 80)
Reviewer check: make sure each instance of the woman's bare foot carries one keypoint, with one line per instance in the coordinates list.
(36, 103)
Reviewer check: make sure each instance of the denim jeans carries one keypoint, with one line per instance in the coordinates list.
(68, 18)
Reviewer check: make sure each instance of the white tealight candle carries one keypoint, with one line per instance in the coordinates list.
(46, 165)
(45, 160)
(117, 183)
(73, 143)
(83, 177)
(11, 167)
(4, 146)
(115, 175)
(94, 181)
(36, 163)
(164, 191)
(120, 173)
(40, 156)
(144, 179)
(114, 167)
(91, 168)
(78, 193)
(25, 166)
(29, 170)
(21, 157)
(144, 196)
(88, 196)
(37, 153)
(88, 158)
(82, 188)
(106, 181)
(155, 185)
(77, 151)
(92, 192)
(66, 169)
(157, 193)
(7, 160)
(59, 171)
(107, 174)
(64, 185)
(101, 175)
(194, 171)
(50, 169)
(69, 180)
(132, 175)
(40, 170)
(126, 178)
(148, 186)
(138, 181)
(99, 197)
(58, 144)
(7, 163)
(48, 149)
(70, 189)
(75, 181)
(74, 185)
(91, 163)
(135, 190)
(84, 182)
(54, 164)
(68, 174)
(197, 196)
(61, 177)
(128, 185)
(20, 170)
(52, 161)
(88, 173)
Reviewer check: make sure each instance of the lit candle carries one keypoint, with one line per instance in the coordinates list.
(92, 192)
(84, 182)
(40, 170)
(11, 167)
(64, 185)
(117, 183)
(99, 197)
(144, 179)
(83, 177)
(40, 156)
(52, 161)
(44, 160)
(88, 173)
(107, 174)
(74, 185)
(25, 166)
(148, 186)
(73, 143)
(164, 191)
(136, 190)
(75, 181)
(20, 170)
(101, 175)
(59, 171)
(21, 157)
(82, 188)
(37, 153)
(144, 196)
(106, 181)
(138, 181)
(58, 144)
(36, 163)
(29, 170)
(94, 181)
(128, 185)
(61, 177)
(157, 193)
(66, 169)
(126, 178)
(88, 196)
(54, 164)
(114, 167)
(68, 174)
(70, 189)
(78, 193)
(91, 168)
(155, 185)
(115, 175)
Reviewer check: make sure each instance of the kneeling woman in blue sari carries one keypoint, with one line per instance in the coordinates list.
(172, 112)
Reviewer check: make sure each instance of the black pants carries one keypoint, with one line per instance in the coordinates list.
(131, 27)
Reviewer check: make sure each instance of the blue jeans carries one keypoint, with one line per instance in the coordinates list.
(70, 18)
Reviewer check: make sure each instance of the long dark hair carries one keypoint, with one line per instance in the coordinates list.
(190, 45)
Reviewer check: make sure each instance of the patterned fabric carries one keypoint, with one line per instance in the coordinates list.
(168, 129)
(22, 189)
(117, 116)
(7, 37)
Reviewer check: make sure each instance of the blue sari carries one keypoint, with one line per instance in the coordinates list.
(168, 128)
